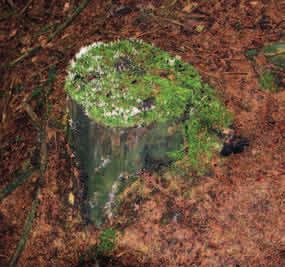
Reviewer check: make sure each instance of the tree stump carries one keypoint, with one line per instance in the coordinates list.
(110, 156)
(128, 102)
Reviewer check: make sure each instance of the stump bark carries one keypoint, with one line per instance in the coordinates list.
(110, 155)
(135, 96)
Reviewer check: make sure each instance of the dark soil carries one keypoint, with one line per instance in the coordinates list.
(232, 217)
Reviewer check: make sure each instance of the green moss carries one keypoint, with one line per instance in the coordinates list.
(129, 83)
(209, 116)
(267, 81)
(107, 240)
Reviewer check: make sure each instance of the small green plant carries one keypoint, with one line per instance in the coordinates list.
(18, 138)
(267, 81)
(107, 241)
(251, 53)
(275, 54)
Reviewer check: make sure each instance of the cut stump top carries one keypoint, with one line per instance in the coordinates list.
(130, 83)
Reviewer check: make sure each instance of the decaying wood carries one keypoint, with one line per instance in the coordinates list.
(57, 32)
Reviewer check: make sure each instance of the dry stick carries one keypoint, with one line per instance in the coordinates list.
(36, 201)
(7, 16)
(8, 97)
(32, 114)
(12, 4)
(149, 32)
(173, 21)
(31, 216)
(43, 166)
(58, 31)
(26, 230)
(25, 7)
(20, 177)
(17, 182)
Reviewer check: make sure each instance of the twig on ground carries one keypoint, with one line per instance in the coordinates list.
(69, 20)
(176, 22)
(7, 16)
(29, 53)
(235, 73)
(9, 92)
(20, 179)
(31, 216)
(57, 32)
(25, 8)
(42, 126)
(149, 32)
(26, 230)
(11, 4)
(34, 117)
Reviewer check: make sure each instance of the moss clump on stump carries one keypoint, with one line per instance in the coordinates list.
(130, 83)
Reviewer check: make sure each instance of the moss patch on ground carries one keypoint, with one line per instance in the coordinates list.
(271, 74)
(268, 81)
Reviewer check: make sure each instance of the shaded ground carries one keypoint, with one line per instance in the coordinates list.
(232, 217)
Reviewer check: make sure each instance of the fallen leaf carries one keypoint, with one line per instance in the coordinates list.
(51, 133)
(65, 36)
(66, 7)
(34, 59)
(171, 77)
(76, 172)
(200, 28)
(188, 8)
(13, 33)
(43, 41)
(71, 198)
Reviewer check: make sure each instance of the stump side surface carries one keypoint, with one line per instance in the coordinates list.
(132, 104)
(110, 155)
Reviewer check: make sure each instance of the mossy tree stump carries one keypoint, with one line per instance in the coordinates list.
(129, 102)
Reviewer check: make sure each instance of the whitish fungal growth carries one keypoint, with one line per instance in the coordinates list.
(133, 104)
(130, 83)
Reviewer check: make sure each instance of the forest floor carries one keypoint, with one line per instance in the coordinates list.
(233, 216)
